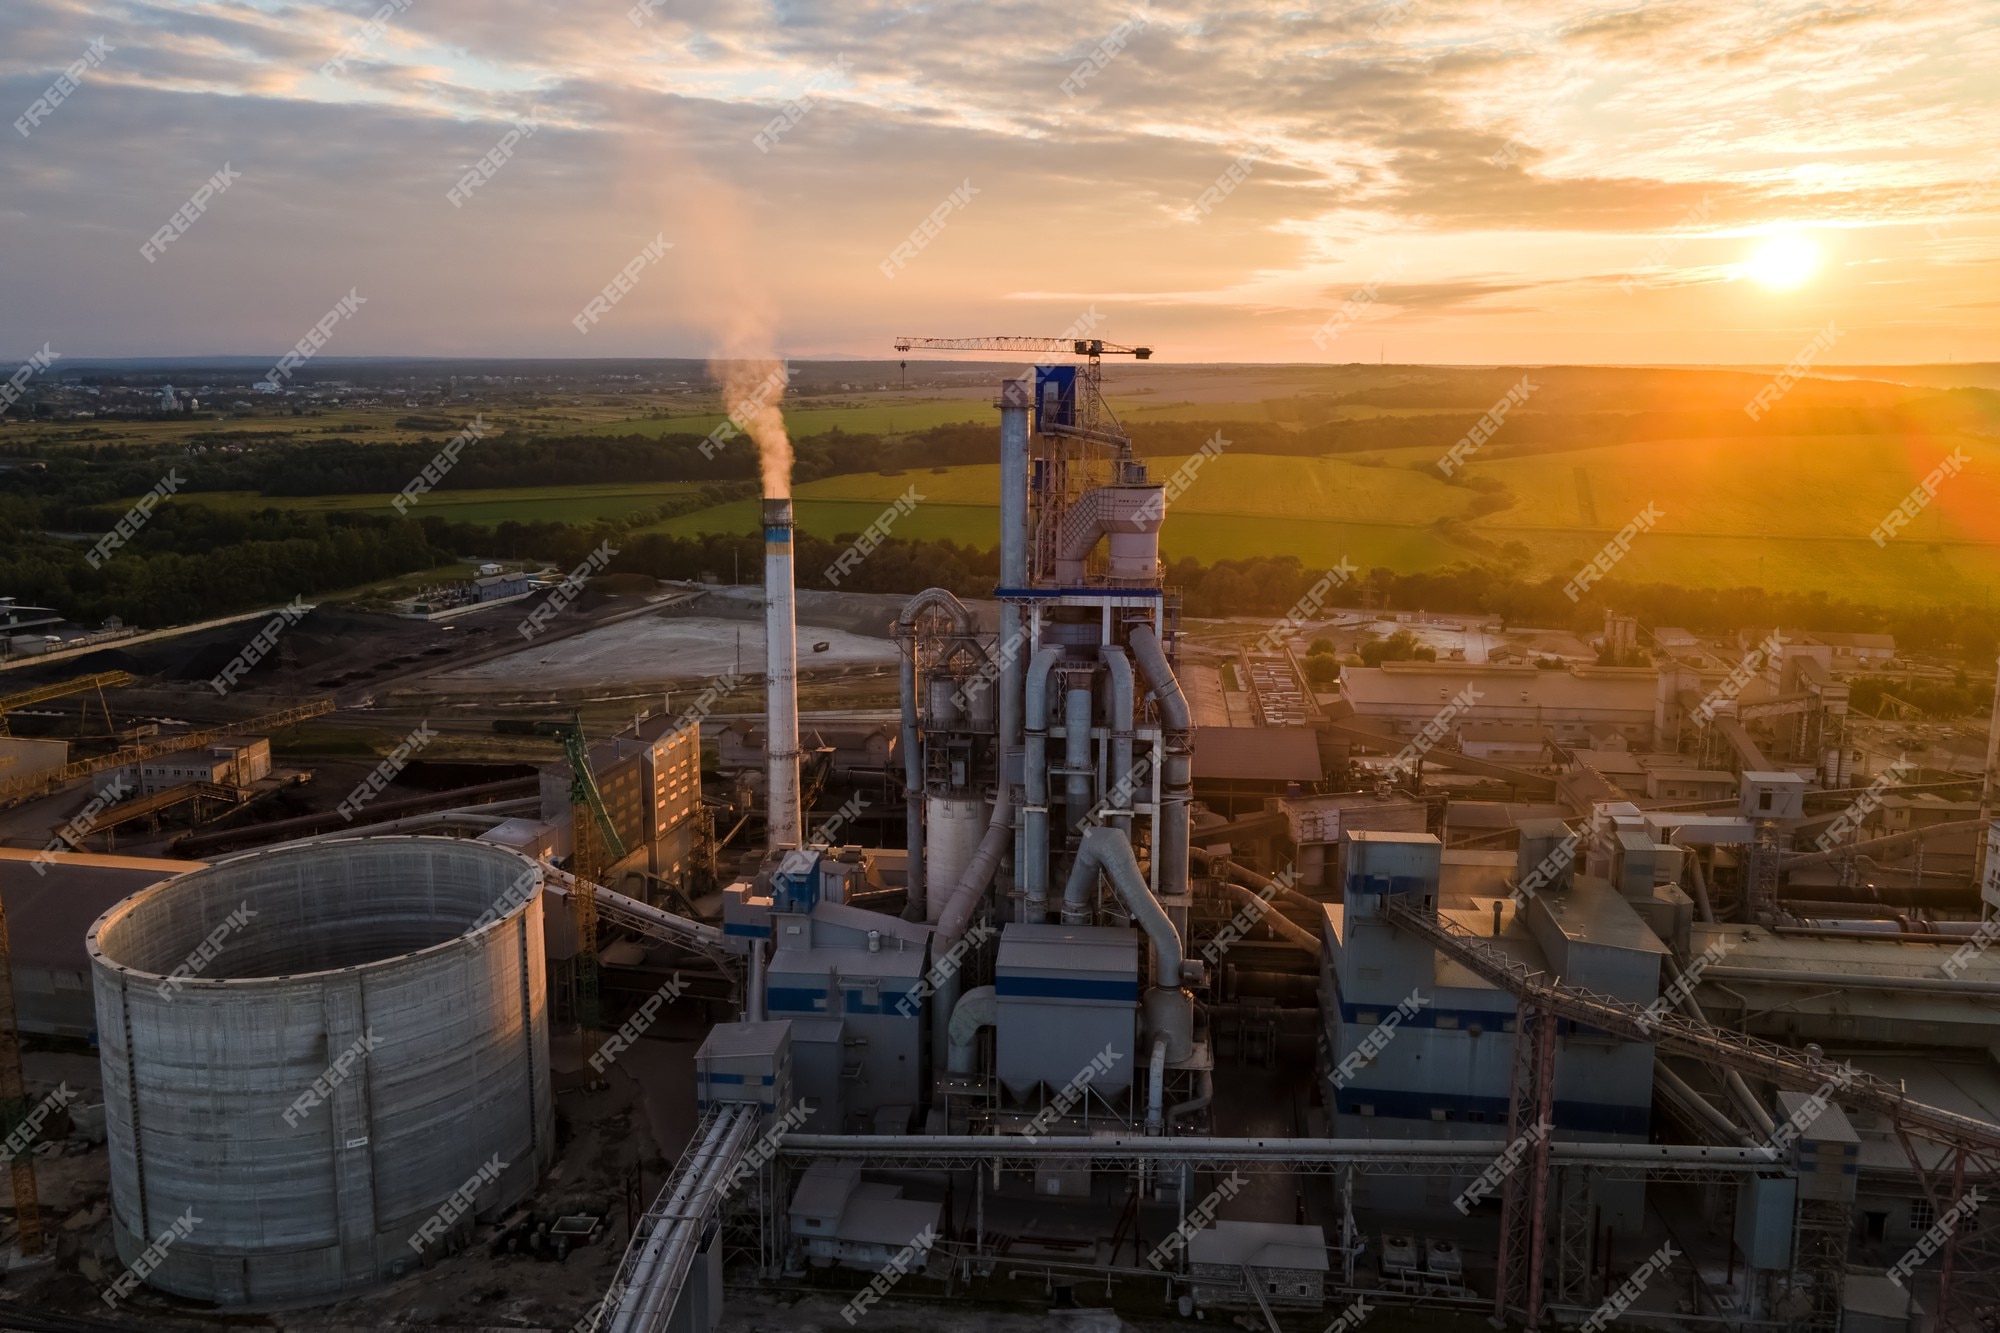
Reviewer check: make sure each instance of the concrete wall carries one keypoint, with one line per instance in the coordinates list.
(429, 950)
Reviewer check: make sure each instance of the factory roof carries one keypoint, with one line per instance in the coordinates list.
(736, 1039)
(1591, 912)
(49, 914)
(847, 963)
(1270, 754)
(824, 1190)
(1413, 685)
(877, 1218)
(1028, 946)
(1260, 1245)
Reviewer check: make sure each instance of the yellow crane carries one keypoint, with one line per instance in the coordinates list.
(102, 681)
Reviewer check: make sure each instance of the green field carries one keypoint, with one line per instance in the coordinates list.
(1788, 514)
(878, 418)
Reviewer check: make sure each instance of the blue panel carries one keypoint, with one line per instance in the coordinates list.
(1065, 988)
(746, 930)
(1055, 397)
(1490, 1020)
(794, 1000)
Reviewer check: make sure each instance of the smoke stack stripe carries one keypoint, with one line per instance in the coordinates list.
(781, 676)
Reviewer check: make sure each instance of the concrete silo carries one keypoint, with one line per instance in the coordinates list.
(311, 1051)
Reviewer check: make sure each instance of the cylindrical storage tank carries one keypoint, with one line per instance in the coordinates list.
(953, 826)
(314, 1056)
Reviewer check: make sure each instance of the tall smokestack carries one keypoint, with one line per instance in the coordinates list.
(781, 699)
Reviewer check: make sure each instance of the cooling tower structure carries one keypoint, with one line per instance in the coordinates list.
(781, 659)
(322, 1062)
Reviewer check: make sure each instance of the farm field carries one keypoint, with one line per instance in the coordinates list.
(1731, 516)
(865, 418)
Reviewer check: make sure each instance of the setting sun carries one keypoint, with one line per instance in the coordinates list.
(1783, 262)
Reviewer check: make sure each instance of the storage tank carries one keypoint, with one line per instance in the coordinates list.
(310, 1050)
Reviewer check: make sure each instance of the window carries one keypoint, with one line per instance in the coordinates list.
(1922, 1215)
(1447, 1020)
(1438, 1113)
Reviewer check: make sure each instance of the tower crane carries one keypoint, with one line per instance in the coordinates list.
(1092, 413)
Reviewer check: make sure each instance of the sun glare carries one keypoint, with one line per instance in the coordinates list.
(1783, 262)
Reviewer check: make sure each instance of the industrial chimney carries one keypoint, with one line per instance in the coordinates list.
(781, 703)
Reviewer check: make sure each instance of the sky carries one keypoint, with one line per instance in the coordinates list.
(1688, 181)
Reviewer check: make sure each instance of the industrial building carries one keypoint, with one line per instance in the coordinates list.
(1472, 992)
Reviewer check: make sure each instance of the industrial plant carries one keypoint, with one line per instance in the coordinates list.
(1644, 990)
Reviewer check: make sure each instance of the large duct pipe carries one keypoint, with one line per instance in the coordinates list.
(1267, 912)
(1035, 777)
(1169, 1009)
(1156, 1084)
(1170, 851)
(1877, 848)
(1676, 1088)
(1118, 672)
(781, 666)
(1078, 789)
(956, 917)
(977, 1008)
